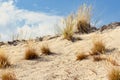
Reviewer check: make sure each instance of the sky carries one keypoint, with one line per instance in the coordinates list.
(32, 18)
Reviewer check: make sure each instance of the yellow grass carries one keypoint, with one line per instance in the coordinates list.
(98, 46)
(98, 58)
(68, 32)
(83, 18)
(114, 74)
(8, 76)
(45, 49)
(4, 61)
(81, 56)
(30, 52)
(22, 34)
(80, 21)
(112, 61)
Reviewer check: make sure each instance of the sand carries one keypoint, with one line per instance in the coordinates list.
(63, 65)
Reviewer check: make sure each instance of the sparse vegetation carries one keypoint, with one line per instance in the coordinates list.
(114, 74)
(81, 56)
(68, 32)
(98, 46)
(79, 21)
(8, 76)
(20, 35)
(98, 58)
(75, 70)
(4, 61)
(112, 61)
(107, 58)
(83, 18)
(30, 52)
(45, 49)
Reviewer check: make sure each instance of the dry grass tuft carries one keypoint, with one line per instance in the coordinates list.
(68, 32)
(80, 21)
(98, 46)
(45, 49)
(83, 27)
(81, 56)
(4, 61)
(112, 61)
(30, 52)
(98, 58)
(114, 74)
(8, 76)
(83, 18)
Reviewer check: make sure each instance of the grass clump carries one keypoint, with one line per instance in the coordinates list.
(98, 46)
(4, 61)
(68, 32)
(98, 58)
(78, 22)
(8, 76)
(81, 56)
(30, 52)
(114, 74)
(112, 61)
(83, 27)
(83, 18)
(107, 58)
(45, 49)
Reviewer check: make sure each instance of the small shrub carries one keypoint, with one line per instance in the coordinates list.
(98, 46)
(45, 49)
(4, 61)
(83, 19)
(68, 32)
(112, 61)
(30, 54)
(81, 56)
(98, 58)
(83, 27)
(114, 74)
(8, 76)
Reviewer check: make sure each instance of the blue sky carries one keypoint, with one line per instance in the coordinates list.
(105, 10)
(38, 17)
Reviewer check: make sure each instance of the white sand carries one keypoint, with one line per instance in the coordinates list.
(63, 65)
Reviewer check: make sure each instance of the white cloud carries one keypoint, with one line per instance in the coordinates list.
(13, 20)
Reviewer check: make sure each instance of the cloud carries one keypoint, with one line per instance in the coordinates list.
(14, 20)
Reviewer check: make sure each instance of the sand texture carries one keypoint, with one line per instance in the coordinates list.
(62, 65)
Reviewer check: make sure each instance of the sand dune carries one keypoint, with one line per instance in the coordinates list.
(63, 65)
